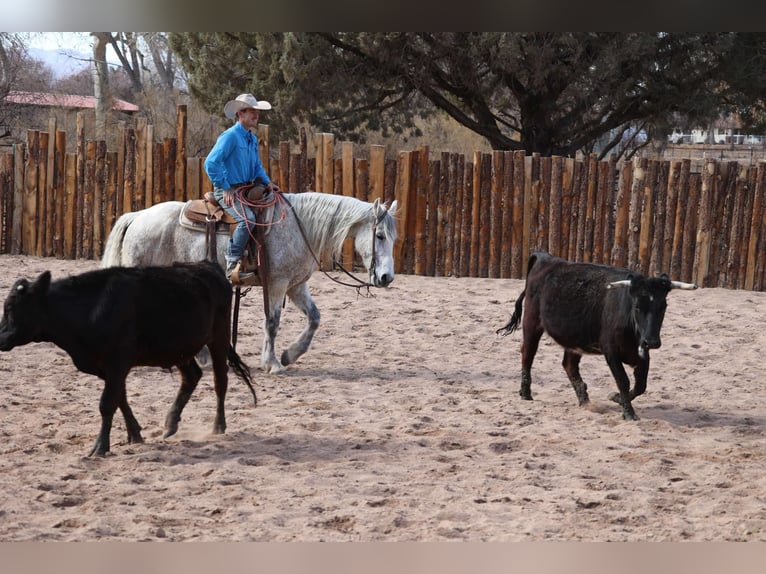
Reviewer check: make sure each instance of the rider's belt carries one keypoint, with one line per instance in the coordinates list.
(238, 185)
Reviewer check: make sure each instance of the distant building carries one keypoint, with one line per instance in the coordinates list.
(22, 111)
(44, 99)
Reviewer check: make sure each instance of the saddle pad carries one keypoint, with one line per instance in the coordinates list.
(190, 218)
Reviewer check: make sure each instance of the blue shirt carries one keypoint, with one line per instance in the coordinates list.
(234, 159)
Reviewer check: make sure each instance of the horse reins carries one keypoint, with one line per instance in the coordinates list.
(359, 283)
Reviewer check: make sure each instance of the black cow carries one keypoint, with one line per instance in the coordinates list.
(114, 319)
(589, 308)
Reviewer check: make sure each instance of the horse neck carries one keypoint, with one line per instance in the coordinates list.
(327, 220)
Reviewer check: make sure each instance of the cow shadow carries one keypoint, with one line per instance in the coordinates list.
(694, 417)
(250, 449)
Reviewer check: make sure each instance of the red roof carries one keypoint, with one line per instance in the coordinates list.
(64, 101)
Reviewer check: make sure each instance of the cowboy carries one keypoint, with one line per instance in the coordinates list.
(234, 162)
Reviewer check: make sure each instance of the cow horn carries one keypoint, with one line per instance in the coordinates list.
(623, 283)
(682, 285)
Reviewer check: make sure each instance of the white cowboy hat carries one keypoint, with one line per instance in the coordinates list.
(243, 101)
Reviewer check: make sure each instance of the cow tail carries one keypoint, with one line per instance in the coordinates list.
(511, 326)
(113, 249)
(242, 371)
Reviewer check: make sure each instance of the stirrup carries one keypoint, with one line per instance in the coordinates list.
(238, 277)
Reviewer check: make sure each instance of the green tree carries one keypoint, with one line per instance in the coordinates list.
(547, 92)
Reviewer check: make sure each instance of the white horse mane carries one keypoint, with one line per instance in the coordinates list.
(327, 219)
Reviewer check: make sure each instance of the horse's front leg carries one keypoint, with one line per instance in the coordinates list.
(269, 361)
(301, 297)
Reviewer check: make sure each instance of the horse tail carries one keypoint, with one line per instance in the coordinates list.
(113, 249)
(242, 371)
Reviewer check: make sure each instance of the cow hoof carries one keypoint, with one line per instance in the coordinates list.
(616, 398)
(526, 396)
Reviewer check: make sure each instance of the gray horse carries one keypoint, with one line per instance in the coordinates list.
(307, 226)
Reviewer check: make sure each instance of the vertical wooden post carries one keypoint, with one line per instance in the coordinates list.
(554, 205)
(50, 189)
(449, 214)
(496, 209)
(70, 207)
(622, 218)
(30, 225)
(703, 243)
(432, 215)
(130, 202)
(43, 213)
(518, 255)
(756, 225)
(99, 186)
(149, 191)
(475, 214)
(440, 203)
(142, 154)
(110, 200)
(588, 204)
(180, 157)
(120, 200)
(680, 222)
(169, 179)
(421, 211)
(543, 204)
(671, 212)
(19, 162)
(377, 172)
(646, 218)
(264, 147)
(466, 220)
(284, 166)
(59, 167)
(736, 230)
(88, 209)
(404, 200)
(690, 229)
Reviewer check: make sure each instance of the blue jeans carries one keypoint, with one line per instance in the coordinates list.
(238, 239)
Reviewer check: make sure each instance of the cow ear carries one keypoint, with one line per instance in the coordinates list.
(42, 283)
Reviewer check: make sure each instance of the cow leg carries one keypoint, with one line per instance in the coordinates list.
(111, 396)
(623, 384)
(528, 350)
(134, 429)
(571, 364)
(190, 376)
(301, 297)
(219, 353)
(640, 374)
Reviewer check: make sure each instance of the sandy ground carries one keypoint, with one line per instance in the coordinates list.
(402, 423)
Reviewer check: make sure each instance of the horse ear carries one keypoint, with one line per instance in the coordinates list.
(392, 209)
(376, 206)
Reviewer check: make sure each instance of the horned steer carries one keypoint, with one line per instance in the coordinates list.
(111, 320)
(596, 309)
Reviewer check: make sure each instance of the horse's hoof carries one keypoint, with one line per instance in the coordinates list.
(274, 368)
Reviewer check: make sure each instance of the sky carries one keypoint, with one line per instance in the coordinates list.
(65, 52)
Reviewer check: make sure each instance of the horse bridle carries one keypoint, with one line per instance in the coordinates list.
(359, 283)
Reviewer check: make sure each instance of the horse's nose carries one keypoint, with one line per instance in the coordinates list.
(385, 280)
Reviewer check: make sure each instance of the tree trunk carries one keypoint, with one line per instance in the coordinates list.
(101, 83)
